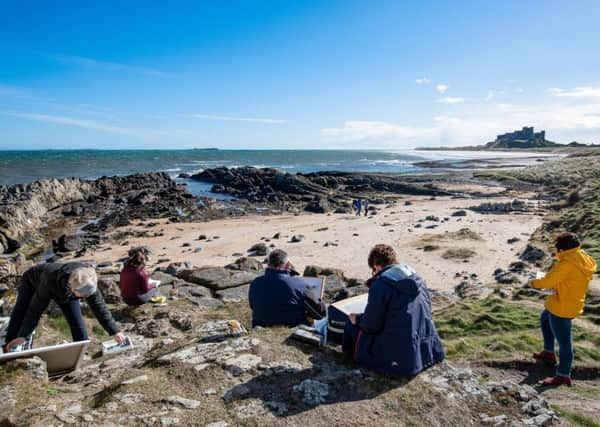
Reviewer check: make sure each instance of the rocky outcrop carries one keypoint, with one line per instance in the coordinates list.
(320, 192)
(25, 209)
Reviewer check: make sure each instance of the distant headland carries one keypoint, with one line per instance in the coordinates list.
(524, 139)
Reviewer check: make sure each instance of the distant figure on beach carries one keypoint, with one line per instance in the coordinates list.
(569, 278)
(136, 288)
(395, 335)
(366, 207)
(358, 207)
(66, 284)
(277, 298)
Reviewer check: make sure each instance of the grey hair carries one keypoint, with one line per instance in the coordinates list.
(277, 258)
(84, 281)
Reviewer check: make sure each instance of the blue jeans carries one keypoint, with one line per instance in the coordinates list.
(559, 329)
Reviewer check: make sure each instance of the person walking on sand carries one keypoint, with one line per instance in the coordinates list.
(366, 207)
(569, 278)
(358, 207)
(66, 284)
(135, 285)
(395, 335)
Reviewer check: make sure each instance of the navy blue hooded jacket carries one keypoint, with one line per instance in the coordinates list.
(397, 335)
(276, 298)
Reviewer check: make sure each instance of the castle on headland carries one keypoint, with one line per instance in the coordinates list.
(524, 138)
(525, 134)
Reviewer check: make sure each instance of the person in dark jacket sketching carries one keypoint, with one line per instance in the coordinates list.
(66, 284)
(278, 298)
(395, 335)
(135, 285)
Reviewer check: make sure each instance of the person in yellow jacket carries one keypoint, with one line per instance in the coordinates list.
(569, 279)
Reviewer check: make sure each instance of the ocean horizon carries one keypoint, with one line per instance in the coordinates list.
(25, 166)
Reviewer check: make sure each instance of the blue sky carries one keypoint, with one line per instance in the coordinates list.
(295, 74)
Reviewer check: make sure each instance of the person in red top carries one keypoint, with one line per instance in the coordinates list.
(136, 288)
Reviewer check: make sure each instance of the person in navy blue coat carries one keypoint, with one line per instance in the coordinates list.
(278, 298)
(395, 335)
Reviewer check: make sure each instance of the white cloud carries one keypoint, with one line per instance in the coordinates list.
(493, 93)
(451, 100)
(107, 65)
(578, 92)
(71, 121)
(476, 124)
(441, 88)
(423, 81)
(239, 119)
(373, 130)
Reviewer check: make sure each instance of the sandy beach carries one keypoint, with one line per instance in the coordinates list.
(343, 241)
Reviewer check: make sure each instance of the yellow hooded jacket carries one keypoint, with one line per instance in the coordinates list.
(570, 278)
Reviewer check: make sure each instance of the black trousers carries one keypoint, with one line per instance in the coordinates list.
(71, 310)
(142, 298)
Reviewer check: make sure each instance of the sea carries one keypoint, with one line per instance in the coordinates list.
(21, 167)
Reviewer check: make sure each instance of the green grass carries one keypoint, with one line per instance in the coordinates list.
(574, 419)
(561, 180)
(495, 328)
(60, 325)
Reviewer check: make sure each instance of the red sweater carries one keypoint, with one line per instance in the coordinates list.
(134, 282)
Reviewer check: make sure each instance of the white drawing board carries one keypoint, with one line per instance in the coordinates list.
(356, 304)
(314, 287)
(60, 359)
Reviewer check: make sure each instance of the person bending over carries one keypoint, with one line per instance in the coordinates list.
(66, 284)
(569, 278)
(278, 298)
(395, 335)
(135, 285)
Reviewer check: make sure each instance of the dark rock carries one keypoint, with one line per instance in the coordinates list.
(532, 254)
(432, 218)
(501, 207)
(316, 271)
(297, 238)
(513, 240)
(459, 213)
(246, 264)
(202, 237)
(109, 287)
(505, 277)
(259, 249)
(174, 268)
(276, 236)
(319, 205)
(517, 267)
(71, 243)
(343, 210)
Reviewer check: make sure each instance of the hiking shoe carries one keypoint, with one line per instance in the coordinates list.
(545, 356)
(556, 381)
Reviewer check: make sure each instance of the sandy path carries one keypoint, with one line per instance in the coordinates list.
(350, 254)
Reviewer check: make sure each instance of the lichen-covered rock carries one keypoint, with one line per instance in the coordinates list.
(217, 277)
